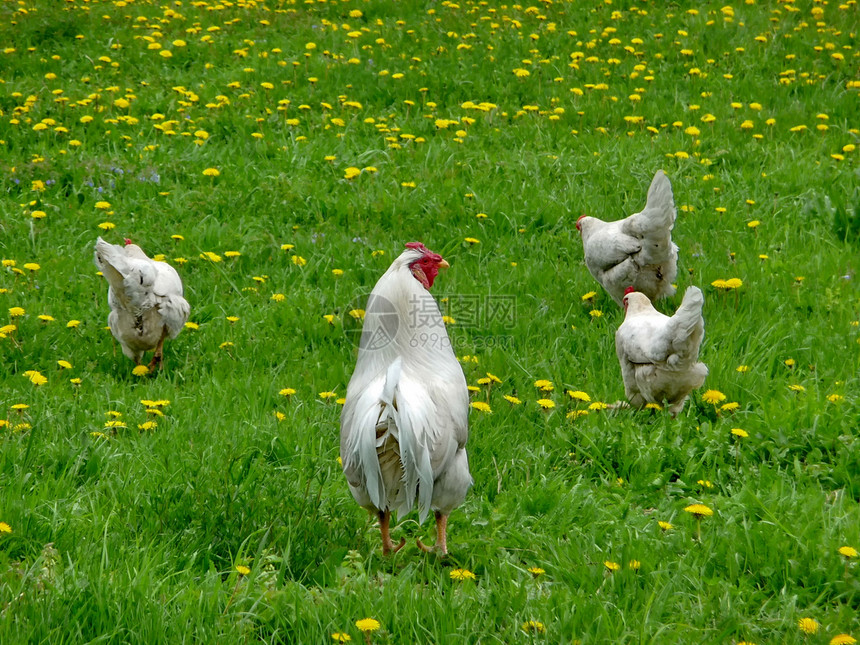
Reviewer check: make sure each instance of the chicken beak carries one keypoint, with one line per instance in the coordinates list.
(444, 264)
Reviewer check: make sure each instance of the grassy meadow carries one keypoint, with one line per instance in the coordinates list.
(279, 154)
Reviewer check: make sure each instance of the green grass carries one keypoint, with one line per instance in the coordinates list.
(133, 535)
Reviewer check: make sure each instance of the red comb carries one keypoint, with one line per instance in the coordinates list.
(128, 241)
(418, 246)
(581, 216)
(629, 290)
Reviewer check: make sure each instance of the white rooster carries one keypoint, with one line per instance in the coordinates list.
(659, 355)
(637, 250)
(145, 298)
(404, 426)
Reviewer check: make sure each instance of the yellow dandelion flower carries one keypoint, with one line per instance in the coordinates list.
(242, 570)
(575, 414)
(738, 432)
(461, 574)
(511, 399)
(5, 528)
(713, 397)
(589, 296)
(66, 365)
(546, 404)
(192, 325)
(36, 378)
(578, 395)
(635, 565)
(807, 625)
(16, 312)
(481, 406)
(848, 551)
(102, 206)
(536, 571)
(140, 370)
(351, 173)
(341, 637)
(699, 510)
(471, 240)
(666, 526)
(211, 172)
(742, 369)
(611, 566)
(843, 639)
(533, 625)
(367, 625)
(597, 406)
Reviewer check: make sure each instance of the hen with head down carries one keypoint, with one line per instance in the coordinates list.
(145, 297)
(637, 250)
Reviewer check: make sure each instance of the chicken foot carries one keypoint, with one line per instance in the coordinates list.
(158, 357)
(387, 545)
(441, 536)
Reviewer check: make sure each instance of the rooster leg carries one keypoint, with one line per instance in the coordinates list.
(158, 357)
(441, 536)
(387, 545)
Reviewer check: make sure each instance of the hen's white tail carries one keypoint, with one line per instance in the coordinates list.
(689, 315)
(653, 225)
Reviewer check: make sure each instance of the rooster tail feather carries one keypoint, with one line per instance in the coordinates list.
(414, 454)
(398, 424)
(364, 453)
